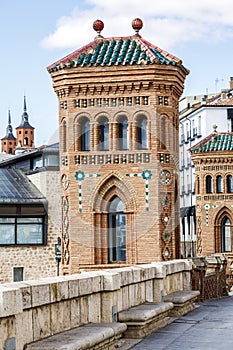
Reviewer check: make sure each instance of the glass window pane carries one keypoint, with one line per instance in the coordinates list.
(51, 160)
(29, 234)
(37, 163)
(20, 220)
(17, 274)
(7, 220)
(7, 234)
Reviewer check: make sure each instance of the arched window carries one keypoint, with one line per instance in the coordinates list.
(63, 136)
(219, 184)
(25, 141)
(229, 184)
(142, 133)
(103, 132)
(197, 185)
(117, 231)
(85, 135)
(123, 133)
(226, 234)
(209, 184)
(163, 140)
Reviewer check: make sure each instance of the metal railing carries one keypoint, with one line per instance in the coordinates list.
(209, 276)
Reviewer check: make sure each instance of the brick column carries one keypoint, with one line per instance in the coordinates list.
(104, 238)
(115, 136)
(97, 240)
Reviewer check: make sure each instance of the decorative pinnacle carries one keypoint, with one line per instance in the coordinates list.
(98, 26)
(137, 24)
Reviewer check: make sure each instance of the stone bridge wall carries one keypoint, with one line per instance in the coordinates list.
(32, 310)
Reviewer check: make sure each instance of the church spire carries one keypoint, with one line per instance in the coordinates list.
(9, 131)
(8, 142)
(24, 104)
(24, 118)
(25, 132)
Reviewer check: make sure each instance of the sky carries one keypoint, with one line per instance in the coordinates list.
(34, 34)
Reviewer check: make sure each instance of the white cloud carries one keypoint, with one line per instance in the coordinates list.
(166, 23)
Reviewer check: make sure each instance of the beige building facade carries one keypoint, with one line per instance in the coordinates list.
(30, 215)
(118, 117)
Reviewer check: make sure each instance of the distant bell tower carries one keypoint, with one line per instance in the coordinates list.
(25, 132)
(9, 141)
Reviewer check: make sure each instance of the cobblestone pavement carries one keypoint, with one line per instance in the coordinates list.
(208, 327)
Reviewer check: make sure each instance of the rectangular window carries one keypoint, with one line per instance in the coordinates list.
(17, 274)
(21, 230)
(51, 160)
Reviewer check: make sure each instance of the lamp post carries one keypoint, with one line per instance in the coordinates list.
(58, 253)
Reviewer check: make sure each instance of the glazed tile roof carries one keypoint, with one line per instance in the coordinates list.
(214, 142)
(116, 51)
(15, 187)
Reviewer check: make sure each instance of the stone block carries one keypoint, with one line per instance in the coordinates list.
(59, 288)
(85, 284)
(40, 292)
(94, 311)
(183, 301)
(149, 291)
(148, 272)
(158, 289)
(111, 281)
(75, 314)
(11, 301)
(41, 322)
(126, 275)
(160, 270)
(143, 319)
(97, 280)
(137, 274)
(73, 285)
(108, 302)
(126, 302)
(92, 336)
(60, 316)
(23, 323)
(84, 309)
(25, 290)
(7, 330)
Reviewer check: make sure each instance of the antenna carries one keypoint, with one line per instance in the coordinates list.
(217, 80)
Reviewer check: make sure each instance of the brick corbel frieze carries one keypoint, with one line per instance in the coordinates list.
(100, 89)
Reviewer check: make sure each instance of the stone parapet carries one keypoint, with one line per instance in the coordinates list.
(33, 310)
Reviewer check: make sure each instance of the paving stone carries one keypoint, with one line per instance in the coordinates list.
(209, 327)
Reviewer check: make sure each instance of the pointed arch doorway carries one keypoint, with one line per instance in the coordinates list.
(116, 231)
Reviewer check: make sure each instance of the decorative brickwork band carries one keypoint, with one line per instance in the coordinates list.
(80, 176)
(146, 175)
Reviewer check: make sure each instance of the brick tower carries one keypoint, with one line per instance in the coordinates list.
(8, 142)
(213, 160)
(118, 116)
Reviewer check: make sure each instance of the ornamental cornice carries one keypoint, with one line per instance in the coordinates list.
(104, 89)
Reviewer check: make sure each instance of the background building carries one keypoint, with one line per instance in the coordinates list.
(24, 140)
(198, 114)
(213, 161)
(118, 116)
(30, 214)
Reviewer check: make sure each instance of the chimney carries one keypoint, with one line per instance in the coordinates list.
(224, 93)
(231, 83)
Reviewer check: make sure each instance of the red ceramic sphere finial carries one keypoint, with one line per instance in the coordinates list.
(98, 26)
(137, 24)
